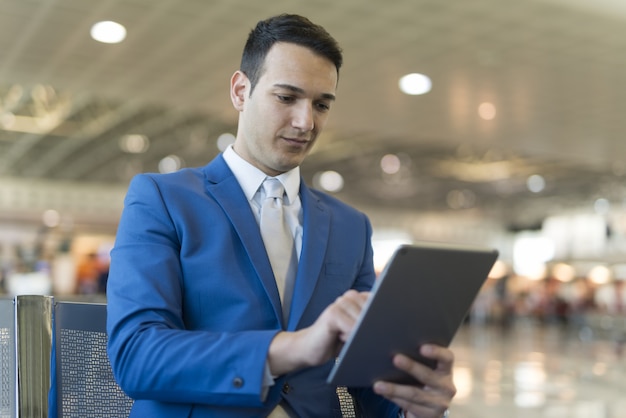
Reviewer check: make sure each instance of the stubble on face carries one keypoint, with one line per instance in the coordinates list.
(281, 120)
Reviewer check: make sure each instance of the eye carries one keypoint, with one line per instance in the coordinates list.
(285, 99)
(323, 106)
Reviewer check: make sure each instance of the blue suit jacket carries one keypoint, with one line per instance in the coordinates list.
(193, 304)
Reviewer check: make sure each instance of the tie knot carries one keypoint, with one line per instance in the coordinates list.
(273, 188)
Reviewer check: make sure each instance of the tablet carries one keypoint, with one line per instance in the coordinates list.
(422, 296)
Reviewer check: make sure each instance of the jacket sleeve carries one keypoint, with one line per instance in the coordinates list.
(152, 353)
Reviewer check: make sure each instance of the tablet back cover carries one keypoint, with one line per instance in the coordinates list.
(422, 296)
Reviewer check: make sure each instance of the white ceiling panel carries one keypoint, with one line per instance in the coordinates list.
(554, 69)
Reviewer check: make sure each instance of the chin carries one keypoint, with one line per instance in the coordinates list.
(290, 162)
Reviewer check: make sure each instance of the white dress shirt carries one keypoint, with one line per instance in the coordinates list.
(251, 180)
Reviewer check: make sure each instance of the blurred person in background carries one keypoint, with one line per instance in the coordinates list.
(88, 274)
(611, 298)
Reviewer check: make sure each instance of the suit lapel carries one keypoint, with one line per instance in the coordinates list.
(316, 229)
(223, 186)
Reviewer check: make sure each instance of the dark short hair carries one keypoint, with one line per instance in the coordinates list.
(286, 28)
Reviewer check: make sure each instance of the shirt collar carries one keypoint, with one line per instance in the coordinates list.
(250, 178)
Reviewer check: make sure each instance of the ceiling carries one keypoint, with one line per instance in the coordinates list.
(554, 69)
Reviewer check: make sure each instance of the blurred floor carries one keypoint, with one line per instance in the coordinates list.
(533, 370)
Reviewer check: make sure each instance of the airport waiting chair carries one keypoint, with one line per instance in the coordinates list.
(84, 381)
(59, 351)
(85, 384)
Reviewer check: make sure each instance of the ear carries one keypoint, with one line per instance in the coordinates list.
(239, 85)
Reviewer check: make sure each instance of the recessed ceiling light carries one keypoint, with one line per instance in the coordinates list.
(170, 164)
(224, 140)
(390, 163)
(487, 111)
(134, 143)
(599, 274)
(536, 183)
(331, 181)
(51, 218)
(108, 32)
(415, 84)
(602, 206)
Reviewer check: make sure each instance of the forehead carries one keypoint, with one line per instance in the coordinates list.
(287, 63)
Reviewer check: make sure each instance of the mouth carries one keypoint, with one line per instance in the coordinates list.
(298, 142)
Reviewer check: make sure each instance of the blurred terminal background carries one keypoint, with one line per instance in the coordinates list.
(482, 122)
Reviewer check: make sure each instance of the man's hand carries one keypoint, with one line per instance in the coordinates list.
(321, 341)
(433, 398)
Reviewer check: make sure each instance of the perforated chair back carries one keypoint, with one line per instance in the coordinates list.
(8, 359)
(84, 381)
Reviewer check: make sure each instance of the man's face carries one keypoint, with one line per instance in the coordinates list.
(280, 121)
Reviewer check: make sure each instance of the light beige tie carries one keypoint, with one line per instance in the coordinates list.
(278, 241)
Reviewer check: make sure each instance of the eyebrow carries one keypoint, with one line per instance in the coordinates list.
(326, 96)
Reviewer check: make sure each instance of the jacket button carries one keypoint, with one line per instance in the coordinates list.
(286, 388)
(237, 382)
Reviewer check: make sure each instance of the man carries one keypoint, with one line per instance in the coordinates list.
(196, 319)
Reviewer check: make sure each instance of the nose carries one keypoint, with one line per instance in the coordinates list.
(303, 117)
